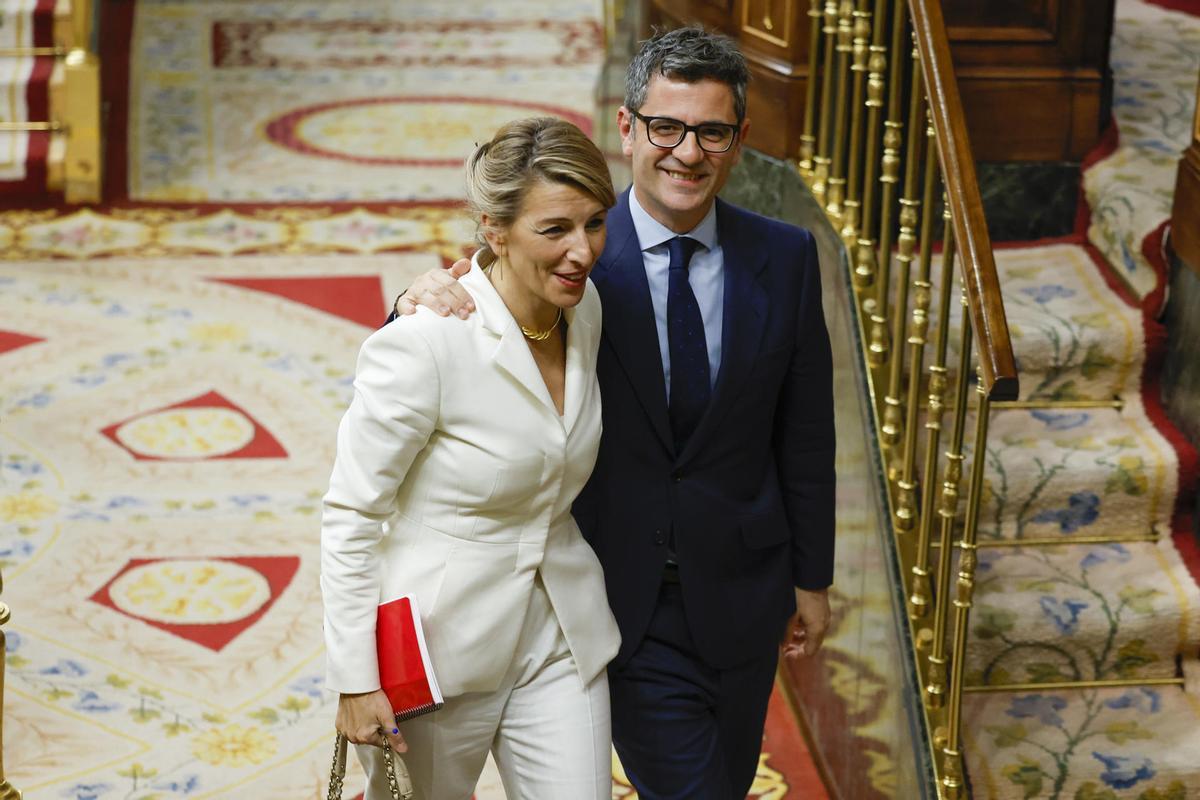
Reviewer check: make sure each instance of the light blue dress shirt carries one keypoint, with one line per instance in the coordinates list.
(706, 275)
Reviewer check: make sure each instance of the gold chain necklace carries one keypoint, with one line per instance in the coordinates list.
(541, 336)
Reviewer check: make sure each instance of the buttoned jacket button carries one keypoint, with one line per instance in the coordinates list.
(659, 538)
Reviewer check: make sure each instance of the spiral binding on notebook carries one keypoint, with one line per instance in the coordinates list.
(418, 711)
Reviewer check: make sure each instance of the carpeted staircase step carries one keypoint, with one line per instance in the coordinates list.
(32, 84)
(1141, 743)
(1073, 338)
(34, 18)
(1081, 612)
(1062, 473)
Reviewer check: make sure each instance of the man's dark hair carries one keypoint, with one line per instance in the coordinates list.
(688, 54)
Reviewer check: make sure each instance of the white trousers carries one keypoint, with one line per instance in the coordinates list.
(550, 734)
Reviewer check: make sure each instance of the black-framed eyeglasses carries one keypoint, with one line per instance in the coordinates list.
(666, 132)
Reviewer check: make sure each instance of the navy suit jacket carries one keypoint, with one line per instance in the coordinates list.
(750, 500)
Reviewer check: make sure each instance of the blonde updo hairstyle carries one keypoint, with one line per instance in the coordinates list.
(522, 153)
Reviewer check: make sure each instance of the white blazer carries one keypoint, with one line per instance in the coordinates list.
(454, 480)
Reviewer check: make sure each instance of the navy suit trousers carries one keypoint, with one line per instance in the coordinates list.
(684, 730)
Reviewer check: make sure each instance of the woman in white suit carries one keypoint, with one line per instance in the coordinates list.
(457, 463)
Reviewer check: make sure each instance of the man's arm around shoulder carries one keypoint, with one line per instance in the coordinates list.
(437, 290)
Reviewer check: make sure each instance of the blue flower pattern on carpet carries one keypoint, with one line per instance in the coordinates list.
(1043, 708)
(1064, 615)
(1123, 773)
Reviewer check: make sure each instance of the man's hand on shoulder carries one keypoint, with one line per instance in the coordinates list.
(439, 290)
(806, 629)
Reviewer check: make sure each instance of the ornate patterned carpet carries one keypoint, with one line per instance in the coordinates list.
(171, 376)
(1130, 180)
(25, 89)
(1082, 313)
(174, 365)
(168, 432)
(1081, 609)
(280, 101)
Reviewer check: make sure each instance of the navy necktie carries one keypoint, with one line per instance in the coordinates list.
(690, 384)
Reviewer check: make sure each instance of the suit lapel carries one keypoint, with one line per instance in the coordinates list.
(511, 354)
(744, 319)
(629, 317)
(580, 367)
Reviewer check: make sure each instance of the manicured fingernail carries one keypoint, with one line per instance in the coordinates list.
(395, 730)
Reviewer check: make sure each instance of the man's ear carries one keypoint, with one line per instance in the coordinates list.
(743, 132)
(625, 126)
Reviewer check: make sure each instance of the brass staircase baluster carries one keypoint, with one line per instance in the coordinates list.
(836, 193)
(947, 511)
(893, 411)
(906, 511)
(893, 138)
(851, 207)
(822, 160)
(952, 774)
(808, 139)
(864, 252)
(920, 597)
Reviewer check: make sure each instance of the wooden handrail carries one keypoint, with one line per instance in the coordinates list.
(985, 306)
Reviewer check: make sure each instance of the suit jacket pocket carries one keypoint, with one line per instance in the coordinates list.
(765, 530)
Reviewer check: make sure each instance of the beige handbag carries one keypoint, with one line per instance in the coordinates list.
(397, 774)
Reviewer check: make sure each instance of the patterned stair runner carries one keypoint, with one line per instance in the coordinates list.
(1081, 611)
(1087, 611)
(25, 83)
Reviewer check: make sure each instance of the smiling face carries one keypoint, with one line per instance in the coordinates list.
(677, 185)
(550, 247)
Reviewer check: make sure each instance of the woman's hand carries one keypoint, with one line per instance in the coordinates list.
(367, 719)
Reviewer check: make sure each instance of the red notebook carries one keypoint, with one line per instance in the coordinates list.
(404, 669)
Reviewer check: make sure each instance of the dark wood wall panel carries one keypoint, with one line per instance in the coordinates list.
(1185, 216)
(1033, 74)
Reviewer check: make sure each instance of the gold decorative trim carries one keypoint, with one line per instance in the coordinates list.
(1114, 683)
(764, 34)
(1116, 403)
(30, 126)
(33, 52)
(1059, 542)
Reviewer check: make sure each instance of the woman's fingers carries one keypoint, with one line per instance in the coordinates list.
(367, 719)
(391, 737)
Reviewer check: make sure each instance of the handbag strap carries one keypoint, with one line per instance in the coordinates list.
(399, 782)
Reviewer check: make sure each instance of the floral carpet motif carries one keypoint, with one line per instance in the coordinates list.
(1155, 61)
(169, 429)
(442, 229)
(167, 437)
(308, 100)
(1101, 744)
(1085, 609)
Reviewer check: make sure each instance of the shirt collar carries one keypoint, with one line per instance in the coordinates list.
(652, 233)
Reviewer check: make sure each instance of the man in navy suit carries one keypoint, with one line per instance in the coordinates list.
(711, 504)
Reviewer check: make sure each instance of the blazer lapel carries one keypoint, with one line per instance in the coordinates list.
(744, 319)
(511, 354)
(629, 317)
(580, 366)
